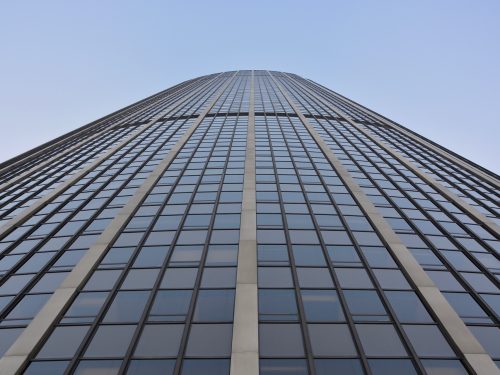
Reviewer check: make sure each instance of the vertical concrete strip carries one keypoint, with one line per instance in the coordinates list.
(481, 218)
(17, 355)
(64, 152)
(245, 345)
(478, 172)
(458, 332)
(38, 204)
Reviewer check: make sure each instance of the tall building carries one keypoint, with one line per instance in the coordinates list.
(246, 223)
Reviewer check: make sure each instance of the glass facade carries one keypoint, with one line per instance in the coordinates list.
(248, 222)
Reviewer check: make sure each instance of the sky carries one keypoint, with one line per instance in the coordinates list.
(432, 66)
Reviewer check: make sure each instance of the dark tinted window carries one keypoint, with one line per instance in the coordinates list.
(170, 305)
(277, 304)
(63, 342)
(280, 340)
(159, 340)
(209, 340)
(205, 367)
(151, 367)
(322, 305)
(338, 366)
(110, 341)
(331, 340)
(283, 367)
(214, 305)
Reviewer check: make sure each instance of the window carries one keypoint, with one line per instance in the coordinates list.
(445, 281)
(28, 307)
(224, 236)
(328, 221)
(380, 340)
(129, 239)
(159, 340)
(280, 340)
(214, 306)
(367, 238)
(391, 279)
(489, 337)
(459, 261)
(428, 341)
(49, 282)
(179, 278)
(46, 368)
(308, 255)
(36, 263)
(186, 255)
(192, 237)
(272, 255)
(269, 220)
(219, 277)
(274, 277)
(102, 280)
(378, 257)
(391, 367)
(7, 338)
(358, 223)
(277, 304)
(299, 222)
(68, 260)
(170, 305)
(338, 366)
(110, 341)
(159, 238)
(331, 237)
(467, 308)
(314, 278)
(87, 304)
(283, 367)
(443, 366)
(222, 255)
(480, 283)
(354, 278)
(63, 342)
(151, 256)
(343, 255)
(118, 256)
(140, 279)
(322, 306)
(331, 340)
(98, 367)
(365, 305)
(408, 307)
(227, 221)
(127, 307)
(151, 367)
(270, 236)
(303, 237)
(205, 367)
(167, 223)
(209, 340)
(427, 259)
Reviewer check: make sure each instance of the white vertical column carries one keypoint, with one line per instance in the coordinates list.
(245, 345)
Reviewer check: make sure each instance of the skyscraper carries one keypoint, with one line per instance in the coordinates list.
(246, 223)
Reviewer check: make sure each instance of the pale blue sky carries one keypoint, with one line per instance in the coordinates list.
(431, 65)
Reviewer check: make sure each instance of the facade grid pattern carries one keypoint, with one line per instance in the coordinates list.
(246, 223)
